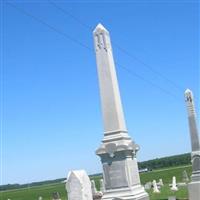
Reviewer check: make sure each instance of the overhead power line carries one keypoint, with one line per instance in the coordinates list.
(70, 15)
(150, 68)
(135, 58)
(146, 81)
(88, 48)
(50, 26)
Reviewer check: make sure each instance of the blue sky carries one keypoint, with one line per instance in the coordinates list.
(52, 119)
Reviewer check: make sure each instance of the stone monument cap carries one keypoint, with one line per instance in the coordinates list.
(100, 28)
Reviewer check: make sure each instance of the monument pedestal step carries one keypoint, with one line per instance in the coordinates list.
(132, 193)
(194, 190)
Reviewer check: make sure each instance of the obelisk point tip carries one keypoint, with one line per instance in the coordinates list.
(100, 28)
(188, 92)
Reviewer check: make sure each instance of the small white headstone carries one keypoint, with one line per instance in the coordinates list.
(174, 187)
(102, 188)
(161, 182)
(40, 198)
(155, 187)
(93, 186)
(78, 186)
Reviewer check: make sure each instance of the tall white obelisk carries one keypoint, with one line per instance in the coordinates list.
(194, 185)
(117, 151)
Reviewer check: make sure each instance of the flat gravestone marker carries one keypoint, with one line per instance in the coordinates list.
(172, 198)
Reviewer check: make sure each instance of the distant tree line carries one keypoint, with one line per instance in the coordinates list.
(27, 185)
(171, 161)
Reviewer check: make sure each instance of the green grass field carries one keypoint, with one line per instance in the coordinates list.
(46, 190)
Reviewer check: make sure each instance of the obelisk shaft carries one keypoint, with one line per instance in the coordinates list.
(194, 185)
(194, 135)
(117, 151)
(113, 116)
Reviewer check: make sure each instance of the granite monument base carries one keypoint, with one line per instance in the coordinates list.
(120, 172)
(133, 193)
(194, 190)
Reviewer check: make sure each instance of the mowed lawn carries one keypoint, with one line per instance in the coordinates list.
(46, 191)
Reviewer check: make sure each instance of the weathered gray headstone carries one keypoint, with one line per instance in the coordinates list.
(194, 185)
(56, 196)
(185, 176)
(78, 186)
(148, 186)
(117, 151)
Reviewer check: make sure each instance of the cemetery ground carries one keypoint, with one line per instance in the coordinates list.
(32, 193)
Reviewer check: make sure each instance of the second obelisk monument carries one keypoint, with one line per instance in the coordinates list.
(117, 151)
(194, 185)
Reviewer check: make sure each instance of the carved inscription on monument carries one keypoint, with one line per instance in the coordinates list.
(115, 175)
(196, 164)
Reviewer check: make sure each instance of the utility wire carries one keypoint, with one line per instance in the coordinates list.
(150, 68)
(70, 15)
(88, 48)
(147, 81)
(177, 86)
(50, 26)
